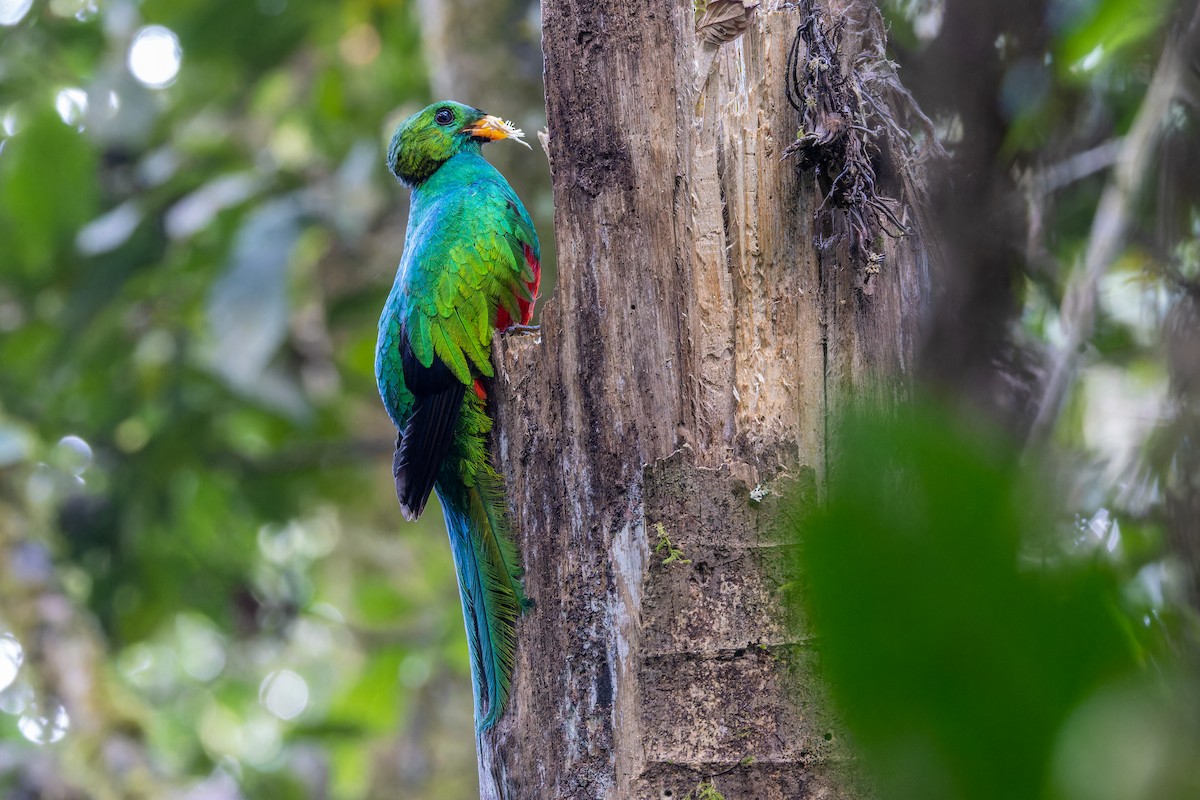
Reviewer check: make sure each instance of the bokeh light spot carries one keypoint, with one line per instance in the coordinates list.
(201, 649)
(131, 435)
(11, 658)
(284, 694)
(360, 45)
(81, 10)
(73, 455)
(9, 123)
(46, 729)
(13, 11)
(72, 105)
(16, 698)
(1090, 61)
(415, 670)
(155, 56)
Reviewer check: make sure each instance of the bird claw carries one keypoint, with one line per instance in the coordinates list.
(517, 330)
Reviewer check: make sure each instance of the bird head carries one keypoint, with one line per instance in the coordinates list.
(427, 139)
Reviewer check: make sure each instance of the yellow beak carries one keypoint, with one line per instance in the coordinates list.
(494, 129)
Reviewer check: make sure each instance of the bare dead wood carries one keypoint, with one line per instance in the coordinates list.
(685, 367)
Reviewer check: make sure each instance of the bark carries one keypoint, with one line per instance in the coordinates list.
(1183, 433)
(681, 383)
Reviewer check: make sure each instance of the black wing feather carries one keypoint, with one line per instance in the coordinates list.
(426, 439)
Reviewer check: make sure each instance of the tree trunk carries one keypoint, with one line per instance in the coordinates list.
(680, 384)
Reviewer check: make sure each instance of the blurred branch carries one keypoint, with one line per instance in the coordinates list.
(322, 454)
(967, 351)
(1077, 167)
(1038, 184)
(1111, 223)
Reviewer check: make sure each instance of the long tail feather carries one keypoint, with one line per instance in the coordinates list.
(485, 559)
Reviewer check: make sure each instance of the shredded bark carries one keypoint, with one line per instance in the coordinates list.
(844, 123)
(720, 21)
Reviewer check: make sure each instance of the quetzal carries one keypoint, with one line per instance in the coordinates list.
(470, 265)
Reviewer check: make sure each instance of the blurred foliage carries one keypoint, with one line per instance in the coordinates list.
(206, 589)
(998, 619)
(1065, 110)
(978, 648)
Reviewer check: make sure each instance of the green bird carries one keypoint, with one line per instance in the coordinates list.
(470, 265)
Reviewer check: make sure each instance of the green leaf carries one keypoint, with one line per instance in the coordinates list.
(950, 630)
(47, 190)
(1113, 26)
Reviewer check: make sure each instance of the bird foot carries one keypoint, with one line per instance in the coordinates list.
(518, 330)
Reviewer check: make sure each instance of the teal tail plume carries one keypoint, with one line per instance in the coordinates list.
(485, 560)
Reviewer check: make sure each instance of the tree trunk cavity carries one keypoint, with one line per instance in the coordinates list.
(681, 382)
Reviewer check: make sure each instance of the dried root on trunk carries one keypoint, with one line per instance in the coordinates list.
(848, 135)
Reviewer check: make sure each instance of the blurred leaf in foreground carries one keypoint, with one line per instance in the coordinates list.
(973, 651)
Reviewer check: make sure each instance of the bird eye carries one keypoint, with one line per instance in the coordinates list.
(444, 116)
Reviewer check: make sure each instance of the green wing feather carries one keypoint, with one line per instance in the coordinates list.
(473, 263)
